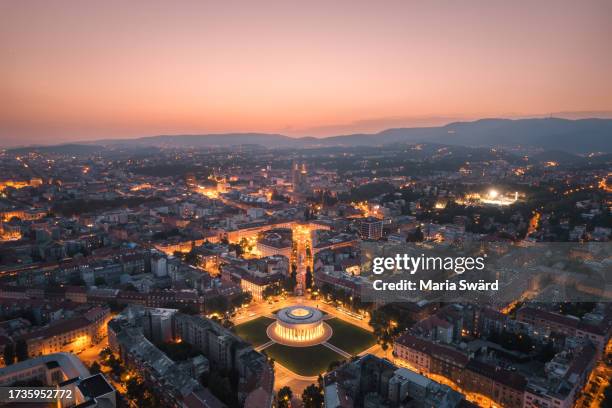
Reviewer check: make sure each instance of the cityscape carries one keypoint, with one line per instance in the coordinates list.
(233, 277)
(215, 205)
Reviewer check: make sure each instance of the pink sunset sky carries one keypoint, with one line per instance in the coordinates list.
(80, 70)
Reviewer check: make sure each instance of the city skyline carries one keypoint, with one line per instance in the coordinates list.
(278, 204)
(83, 72)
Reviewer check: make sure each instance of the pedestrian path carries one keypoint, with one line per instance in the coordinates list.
(264, 346)
(337, 350)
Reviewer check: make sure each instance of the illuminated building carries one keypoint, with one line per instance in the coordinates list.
(69, 335)
(299, 178)
(299, 325)
(277, 241)
(169, 247)
(9, 232)
(190, 180)
(252, 279)
(363, 377)
(50, 369)
(492, 197)
(251, 230)
(18, 184)
(128, 336)
(67, 372)
(24, 215)
(371, 228)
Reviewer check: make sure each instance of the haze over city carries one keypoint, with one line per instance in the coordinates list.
(325, 204)
(74, 71)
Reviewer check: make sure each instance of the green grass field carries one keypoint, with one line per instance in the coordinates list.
(350, 338)
(307, 361)
(254, 331)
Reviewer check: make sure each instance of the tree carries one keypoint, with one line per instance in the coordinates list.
(276, 196)
(290, 282)
(95, 368)
(607, 401)
(416, 236)
(115, 365)
(243, 298)
(9, 354)
(270, 290)
(217, 304)
(100, 281)
(308, 214)
(243, 246)
(191, 257)
(312, 397)
(308, 278)
(105, 353)
(21, 350)
(227, 323)
(135, 389)
(380, 321)
(284, 397)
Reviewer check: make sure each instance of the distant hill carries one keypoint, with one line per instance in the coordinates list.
(571, 136)
(209, 140)
(577, 136)
(67, 149)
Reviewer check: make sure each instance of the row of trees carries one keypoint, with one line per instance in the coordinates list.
(345, 297)
(288, 285)
(17, 351)
(136, 390)
(312, 397)
(389, 321)
(223, 305)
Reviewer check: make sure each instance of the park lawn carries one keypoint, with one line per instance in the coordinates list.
(350, 338)
(306, 361)
(254, 331)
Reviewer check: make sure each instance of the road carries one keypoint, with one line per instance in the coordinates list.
(284, 377)
(593, 392)
(91, 354)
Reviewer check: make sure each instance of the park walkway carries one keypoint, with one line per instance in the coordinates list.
(265, 345)
(337, 350)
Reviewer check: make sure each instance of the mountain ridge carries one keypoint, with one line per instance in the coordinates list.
(576, 136)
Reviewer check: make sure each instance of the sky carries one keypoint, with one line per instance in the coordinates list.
(85, 70)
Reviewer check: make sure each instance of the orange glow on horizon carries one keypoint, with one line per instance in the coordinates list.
(107, 70)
